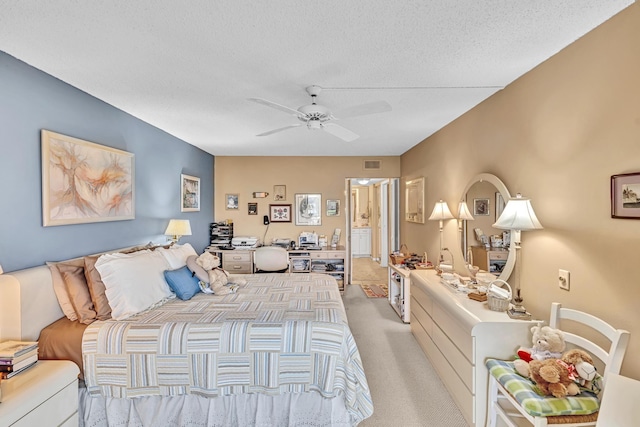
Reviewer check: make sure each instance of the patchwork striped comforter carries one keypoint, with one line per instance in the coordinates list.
(280, 333)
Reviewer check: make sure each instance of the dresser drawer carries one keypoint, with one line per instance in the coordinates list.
(237, 256)
(458, 361)
(499, 255)
(54, 411)
(460, 337)
(420, 315)
(328, 255)
(423, 299)
(244, 267)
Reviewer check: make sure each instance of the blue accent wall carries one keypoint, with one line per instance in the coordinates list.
(31, 100)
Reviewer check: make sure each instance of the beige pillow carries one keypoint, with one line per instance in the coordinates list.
(78, 292)
(60, 289)
(96, 289)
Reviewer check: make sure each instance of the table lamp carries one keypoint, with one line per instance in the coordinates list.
(518, 215)
(178, 228)
(441, 212)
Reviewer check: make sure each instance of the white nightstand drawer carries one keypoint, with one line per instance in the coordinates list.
(53, 411)
(44, 395)
(237, 256)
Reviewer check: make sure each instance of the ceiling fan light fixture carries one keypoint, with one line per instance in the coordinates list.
(314, 124)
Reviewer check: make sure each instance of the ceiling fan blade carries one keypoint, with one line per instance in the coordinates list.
(342, 133)
(278, 130)
(364, 109)
(276, 106)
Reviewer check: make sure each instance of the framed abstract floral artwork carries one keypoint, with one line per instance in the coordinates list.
(85, 182)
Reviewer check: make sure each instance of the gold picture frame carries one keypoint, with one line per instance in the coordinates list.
(84, 182)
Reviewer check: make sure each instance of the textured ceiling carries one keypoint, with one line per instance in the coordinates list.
(189, 67)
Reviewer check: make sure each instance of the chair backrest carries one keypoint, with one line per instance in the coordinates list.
(619, 338)
(619, 402)
(271, 258)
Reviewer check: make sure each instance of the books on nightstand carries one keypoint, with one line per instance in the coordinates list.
(16, 356)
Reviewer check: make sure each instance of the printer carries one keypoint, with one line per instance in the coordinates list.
(245, 242)
(308, 240)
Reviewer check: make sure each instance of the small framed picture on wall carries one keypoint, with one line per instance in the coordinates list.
(190, 193)
(280, 213)
(253, 209)
(231, 202)
(481, 206)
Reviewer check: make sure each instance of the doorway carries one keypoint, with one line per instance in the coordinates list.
(372, 212)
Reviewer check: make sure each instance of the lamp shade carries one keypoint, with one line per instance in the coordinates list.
(518, 214)
(178, 227)
(463, 211)
(441, 211)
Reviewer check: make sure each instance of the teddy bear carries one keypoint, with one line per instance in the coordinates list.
(564, 376)
(548, 343)
(552, 377)
(213, 280)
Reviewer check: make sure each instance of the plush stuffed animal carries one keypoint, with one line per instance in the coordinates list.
(564, 377)
(548, 343)
(552, 377)
(213, 280)
(582, 371)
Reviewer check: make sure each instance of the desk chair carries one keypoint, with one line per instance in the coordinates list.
(513, 398)
(271, 259)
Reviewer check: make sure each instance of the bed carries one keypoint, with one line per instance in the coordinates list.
(277, 351)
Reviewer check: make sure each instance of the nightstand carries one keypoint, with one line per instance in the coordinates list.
(43, 395)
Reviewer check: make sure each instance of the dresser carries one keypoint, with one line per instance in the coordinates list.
(457, 335)
(43, 395)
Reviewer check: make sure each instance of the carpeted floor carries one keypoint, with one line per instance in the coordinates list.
(405, 389)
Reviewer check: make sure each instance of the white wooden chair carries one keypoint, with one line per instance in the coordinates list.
(619, 406)
(513, 399)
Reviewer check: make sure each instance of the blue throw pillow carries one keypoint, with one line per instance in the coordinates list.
(182, 282)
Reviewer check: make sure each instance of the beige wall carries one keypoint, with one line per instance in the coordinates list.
(324, 175)
(556, 135)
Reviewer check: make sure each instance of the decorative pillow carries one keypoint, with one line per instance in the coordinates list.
(177, 255)
(78, 292)
(182, 282)
(197, 269)
(134, 282)
(96, 288)
(60, 289)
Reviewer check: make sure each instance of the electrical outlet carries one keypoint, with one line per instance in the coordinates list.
(563, 279)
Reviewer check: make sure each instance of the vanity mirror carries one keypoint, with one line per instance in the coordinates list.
(480, 243)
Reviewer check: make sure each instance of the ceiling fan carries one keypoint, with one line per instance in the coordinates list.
(319, 117)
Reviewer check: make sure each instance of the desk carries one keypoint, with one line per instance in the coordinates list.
(332, 261)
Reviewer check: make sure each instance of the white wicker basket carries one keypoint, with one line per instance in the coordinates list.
(497, 302)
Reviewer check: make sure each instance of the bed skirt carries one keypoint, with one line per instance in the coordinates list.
(254, 410)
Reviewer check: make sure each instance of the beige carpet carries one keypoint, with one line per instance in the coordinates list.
(405, 389)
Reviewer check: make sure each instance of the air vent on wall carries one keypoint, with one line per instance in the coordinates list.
(372, 164)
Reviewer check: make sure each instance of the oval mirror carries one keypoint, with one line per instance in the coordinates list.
(481, 244)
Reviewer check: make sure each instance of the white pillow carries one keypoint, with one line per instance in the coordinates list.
(177, 255)
(133, 282)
